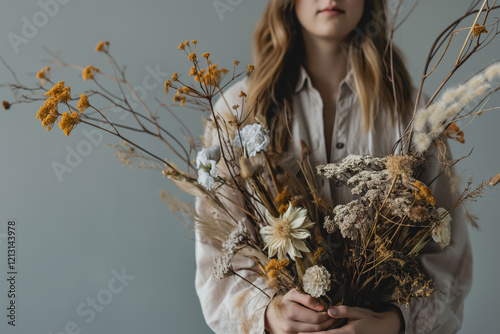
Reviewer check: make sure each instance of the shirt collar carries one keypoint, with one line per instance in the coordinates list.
(304, 78)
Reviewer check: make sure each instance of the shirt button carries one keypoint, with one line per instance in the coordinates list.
(339, 145)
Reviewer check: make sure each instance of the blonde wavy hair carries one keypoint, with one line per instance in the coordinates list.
(278, 53)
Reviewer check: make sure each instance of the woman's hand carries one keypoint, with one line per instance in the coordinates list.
(296, 312)
(364, 321)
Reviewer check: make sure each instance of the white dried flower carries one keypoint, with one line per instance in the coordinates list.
(208, 158)
(206, 162)
(316, 281)
(205, 179)
(253, 138)
(239, 234)
(285, 234)
(442, 232)
(222, 267)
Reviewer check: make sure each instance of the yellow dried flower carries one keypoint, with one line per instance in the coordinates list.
(175, 77)
(5, 105)
(283, 263)
(192, 71)
(206, 55)
(56, 89)
(277, 265)
(236, 63)
(49, 121)
(49, 107)
(186, 89)
(250, 69)
(273, 274)
(212, 76)
(242, 94)
(168, 84)
(43, 74)
(283, 207)
(181, 46)
(236, 106)
(183, 100)
(478, 30)
(318, 253)
(60, 93)
(177, 98)
(88, 72)
(83, 103)
(100, 46)
(424, 193)
(68, 121)
(283, 196)
(272, 264)
(194, 41)
(192, 56)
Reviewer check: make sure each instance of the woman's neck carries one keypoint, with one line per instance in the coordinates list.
(325, 61)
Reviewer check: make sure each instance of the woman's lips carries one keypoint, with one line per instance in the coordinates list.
(332, 10)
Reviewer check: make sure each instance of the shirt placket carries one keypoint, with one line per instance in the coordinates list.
(339, 142)
(317, 130)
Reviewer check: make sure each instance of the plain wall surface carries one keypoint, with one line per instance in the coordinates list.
(76, 236)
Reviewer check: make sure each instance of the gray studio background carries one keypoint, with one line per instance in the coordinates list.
(74, 235)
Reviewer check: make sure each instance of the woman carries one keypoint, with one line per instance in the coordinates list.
(325, 61)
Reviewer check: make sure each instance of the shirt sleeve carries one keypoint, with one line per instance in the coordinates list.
(230, 305)
(450, 267)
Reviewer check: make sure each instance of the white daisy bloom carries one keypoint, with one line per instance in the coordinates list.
(286, 234)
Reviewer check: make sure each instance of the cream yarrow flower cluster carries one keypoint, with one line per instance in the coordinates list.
(286, 233)
(222, 267)
(237, 236)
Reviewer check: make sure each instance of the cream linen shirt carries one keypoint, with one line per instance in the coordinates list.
(233, 306)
